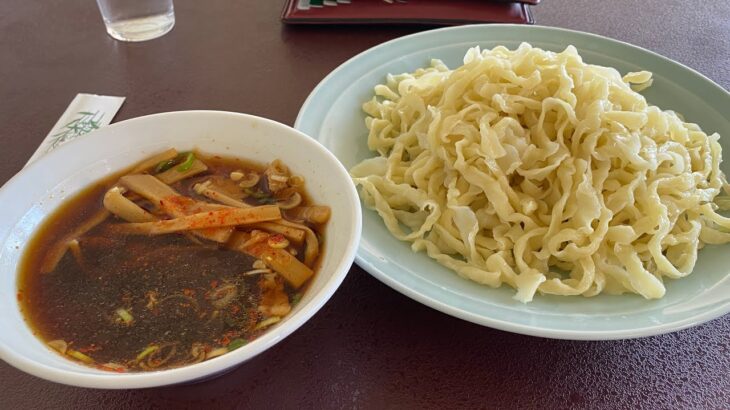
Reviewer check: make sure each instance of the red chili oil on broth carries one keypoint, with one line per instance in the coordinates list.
(125, 301)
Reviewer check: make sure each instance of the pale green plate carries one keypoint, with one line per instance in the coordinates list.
(333, 116)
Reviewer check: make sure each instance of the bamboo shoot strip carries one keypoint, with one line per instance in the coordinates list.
(293, 234)
(204, 220)
(122, 207)
(174, 174)
(289, 267)
(148, 187)
(209, 192)
(162, 195)
(59, 249)
(311, 250)
(178, 205)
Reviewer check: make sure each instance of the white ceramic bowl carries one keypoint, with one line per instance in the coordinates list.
(39, 189)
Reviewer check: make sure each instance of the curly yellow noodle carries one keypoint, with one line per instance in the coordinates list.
(533, 169)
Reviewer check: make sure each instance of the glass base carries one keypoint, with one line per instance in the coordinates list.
(141, 29)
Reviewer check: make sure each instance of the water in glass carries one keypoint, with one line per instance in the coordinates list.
(137, 20)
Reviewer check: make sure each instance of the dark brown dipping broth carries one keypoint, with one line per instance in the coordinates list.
(167, 283)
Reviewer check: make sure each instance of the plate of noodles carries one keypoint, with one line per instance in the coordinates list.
(536, 180)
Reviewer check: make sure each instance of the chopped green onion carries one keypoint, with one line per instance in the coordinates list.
(79, 356)
(124, 314)
(268, 322)
(147, 351)
(187, 163)
(236, 343)
(165, 165)
(296, 299)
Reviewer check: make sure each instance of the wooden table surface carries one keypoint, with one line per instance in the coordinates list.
(369, 346)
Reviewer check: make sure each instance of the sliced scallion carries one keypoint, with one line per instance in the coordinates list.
(146, 352)
(236, 343)
(187, 162)
(124, 314)
(79, 356)
(164, 165)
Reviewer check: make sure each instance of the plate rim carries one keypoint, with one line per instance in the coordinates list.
(707, 314)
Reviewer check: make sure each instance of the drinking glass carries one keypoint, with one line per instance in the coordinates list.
(137, 20)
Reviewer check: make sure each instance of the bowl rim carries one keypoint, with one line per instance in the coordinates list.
(218, 365)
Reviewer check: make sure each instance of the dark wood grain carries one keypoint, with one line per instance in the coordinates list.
(369, 346)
